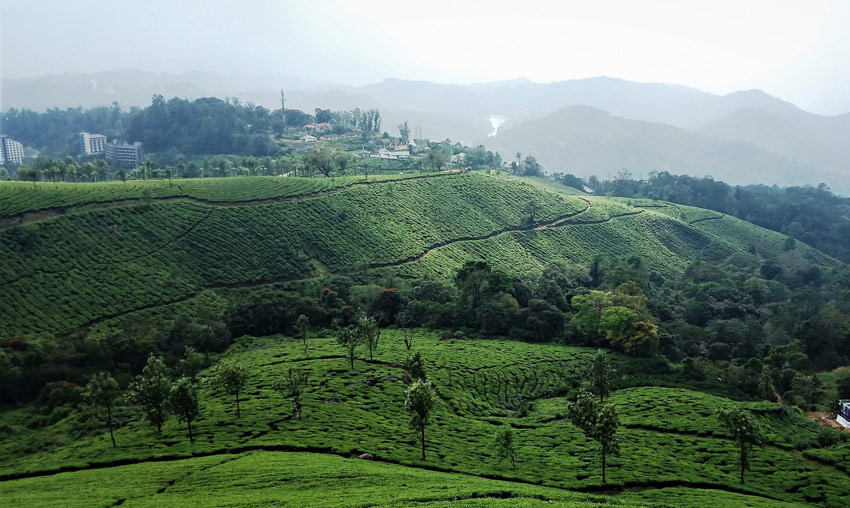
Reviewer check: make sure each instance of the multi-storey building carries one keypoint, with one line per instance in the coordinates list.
(10, 150)
(124, 155)
(92, 143)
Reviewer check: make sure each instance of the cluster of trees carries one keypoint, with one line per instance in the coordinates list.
(526, 167)
(203, 126)
(56, 132)
(813, 215)
(159, 391)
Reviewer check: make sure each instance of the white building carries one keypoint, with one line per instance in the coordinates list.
(392, 155)
(92, 143)
(10, 151)
(124, 155)
(308, 139)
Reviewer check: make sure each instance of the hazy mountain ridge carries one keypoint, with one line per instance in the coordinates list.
(586, 141)
(789, 138)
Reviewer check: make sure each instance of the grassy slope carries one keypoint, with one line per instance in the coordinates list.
(670, 436)
(21, 197)
(75, 269)
(316, 480)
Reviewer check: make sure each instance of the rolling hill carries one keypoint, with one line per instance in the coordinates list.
(81, 258)
(112, 249)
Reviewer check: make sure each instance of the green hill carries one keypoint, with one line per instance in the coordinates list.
(88, 263)
(98, 276)
(674, 452)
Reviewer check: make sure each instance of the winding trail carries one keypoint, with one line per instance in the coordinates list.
(9, 221)
(561, 221)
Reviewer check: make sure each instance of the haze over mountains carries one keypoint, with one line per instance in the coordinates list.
(588, 126)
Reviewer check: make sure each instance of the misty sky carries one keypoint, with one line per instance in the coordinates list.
(797, 50)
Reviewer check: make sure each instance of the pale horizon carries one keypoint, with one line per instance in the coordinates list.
(793, 51)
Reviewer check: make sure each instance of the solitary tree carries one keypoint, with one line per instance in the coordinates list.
(191, 363)
(598, 422)
(503, 441)
(420, 400)
(151, 390)
(601, 373)
(744, 429)
(348, 338)
(367, 329)
(302, 326)
(606, 433)
(184, 403)
(231, 378)
(415, 367)
(530, 212)
(102, 391)
(292, 385)
(404, 132)
(403, 319)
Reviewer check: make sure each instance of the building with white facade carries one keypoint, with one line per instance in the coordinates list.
(10, 151)
(92, 143)
(120, 154)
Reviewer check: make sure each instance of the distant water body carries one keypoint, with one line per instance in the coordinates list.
(496, 121)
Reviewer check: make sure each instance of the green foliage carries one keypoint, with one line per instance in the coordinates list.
(151, 390)
(350, 340)
(504, 445)
(302, 328)
(745, 432)
(368, 332)
(102, 390)
(598, 422)
(293, 385)
(601, 375)
(419, 402)
(415, 367)
(183, 402)
(231, 377)
(191, 363)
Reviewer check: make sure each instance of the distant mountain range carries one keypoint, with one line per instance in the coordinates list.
(744, 137)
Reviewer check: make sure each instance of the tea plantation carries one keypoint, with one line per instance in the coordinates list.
(107, 273)
(61, 273)
(672, 443)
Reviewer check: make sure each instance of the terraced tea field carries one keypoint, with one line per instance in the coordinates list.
(76, 269)
(672, 445)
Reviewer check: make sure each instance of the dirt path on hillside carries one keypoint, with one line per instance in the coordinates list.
(561, 221)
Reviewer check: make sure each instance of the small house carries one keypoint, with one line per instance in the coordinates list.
(308, 139)
(843, 417)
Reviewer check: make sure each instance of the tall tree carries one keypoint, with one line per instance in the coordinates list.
(419, 402)
(151, 390)
(184, 403)
(744, 429)
(102, 391)
(601, 374)
(231, 377)
(403, 320)
(504, 444)
(292, 385)
(348, 338)
(404, 132)
(302, 327)
(598, 422)
(191, 363)
(367, 329)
